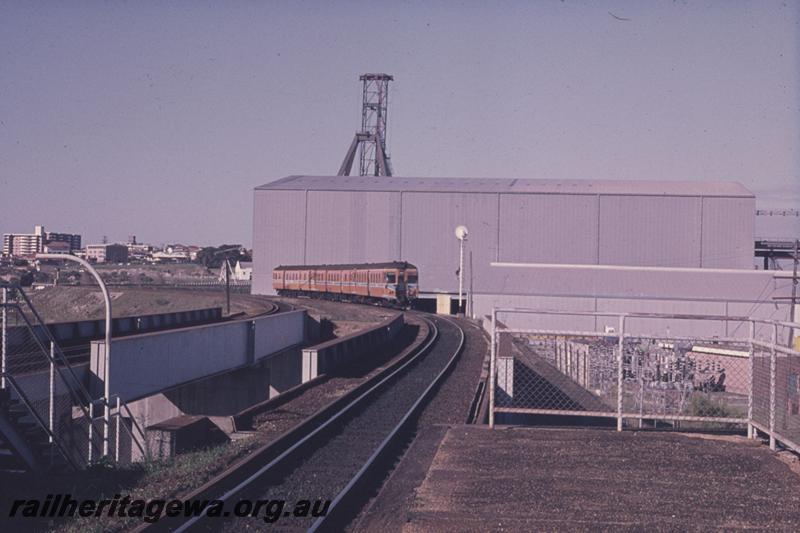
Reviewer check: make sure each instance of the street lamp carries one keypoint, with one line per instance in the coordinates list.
(461, 235)
(107, 355)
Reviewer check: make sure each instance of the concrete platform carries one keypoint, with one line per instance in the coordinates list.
(539, 479)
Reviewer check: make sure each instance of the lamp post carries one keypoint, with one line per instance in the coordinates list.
(107, 355)
(461, 235)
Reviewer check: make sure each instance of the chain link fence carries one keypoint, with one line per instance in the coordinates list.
(646, 371)
(776, 383)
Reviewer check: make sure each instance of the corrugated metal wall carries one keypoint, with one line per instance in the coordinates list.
(429, 241)
(650, 231)
(548, 228)
(278, 234)
(728, 230)
(349, 227)
(299, 227)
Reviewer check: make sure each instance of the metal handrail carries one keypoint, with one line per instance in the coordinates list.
(681, 316)
(145, 451)
(44, 350)
(87, 399)
(73, 390)
(87, 396)
(46, 353)
(776, 351)
(10, 379)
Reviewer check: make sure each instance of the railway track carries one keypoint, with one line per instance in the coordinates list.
(343, 456)
(22, 362)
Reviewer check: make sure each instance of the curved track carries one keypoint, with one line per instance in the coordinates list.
(340, 458)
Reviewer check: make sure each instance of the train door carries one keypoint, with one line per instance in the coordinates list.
(412, 283)
(395, 284)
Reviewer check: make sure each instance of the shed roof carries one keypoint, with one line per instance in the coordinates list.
(511, 185)
(352, 266)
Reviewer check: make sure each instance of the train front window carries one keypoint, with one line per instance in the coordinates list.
(391, 278)
(412, 278)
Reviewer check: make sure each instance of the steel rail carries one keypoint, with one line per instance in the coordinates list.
(338, 513)
(383, 380)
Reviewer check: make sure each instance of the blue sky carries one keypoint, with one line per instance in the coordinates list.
(158, 119)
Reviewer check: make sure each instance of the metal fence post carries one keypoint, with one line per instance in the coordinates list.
(750, 393)
(4, 340)
(91, 428)
(492, 367)
(116, 446)
(773, 364)
(52, 390)
(640, 366)
(621, 348)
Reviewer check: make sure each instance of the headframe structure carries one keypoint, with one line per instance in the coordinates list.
(373, 158)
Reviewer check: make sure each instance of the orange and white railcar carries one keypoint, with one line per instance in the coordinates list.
(393, 283)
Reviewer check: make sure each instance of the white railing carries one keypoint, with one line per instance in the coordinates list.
(632, 374)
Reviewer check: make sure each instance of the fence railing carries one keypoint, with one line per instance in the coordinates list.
(37, 373)
(647, 370)
(46, 427)
(239, 286)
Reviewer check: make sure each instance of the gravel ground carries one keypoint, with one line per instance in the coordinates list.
(66, 304)
(180, 475)
(388, 511)
(326, 469)
(273, 423)
(339, 312)
(537, 479)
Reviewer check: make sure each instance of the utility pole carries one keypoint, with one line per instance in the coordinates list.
(228, 285)
(471, 301)
(461, 235)
(3, 340)
(794, 292)
(227, 265)
(461, 276)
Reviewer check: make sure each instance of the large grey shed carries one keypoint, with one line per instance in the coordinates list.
(695, 225)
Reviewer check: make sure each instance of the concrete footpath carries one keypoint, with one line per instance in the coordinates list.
(539, 479)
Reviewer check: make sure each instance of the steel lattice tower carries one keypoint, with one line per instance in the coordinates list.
(374, 160)
(373, 121)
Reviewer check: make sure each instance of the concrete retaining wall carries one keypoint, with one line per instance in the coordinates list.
(70, 333)
(142, 365)
(278, 332)
(326, 357)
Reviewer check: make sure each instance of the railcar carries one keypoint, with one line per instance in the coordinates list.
(393, 284)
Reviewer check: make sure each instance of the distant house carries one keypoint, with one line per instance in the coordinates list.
(139, 251)
(57, 247)
(107, 253)
(242, 271)
(169, 257)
